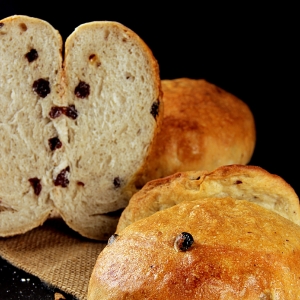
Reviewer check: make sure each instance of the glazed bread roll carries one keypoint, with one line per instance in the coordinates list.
(73, 137)
(240, 182)
(203, 128)
(210, 248)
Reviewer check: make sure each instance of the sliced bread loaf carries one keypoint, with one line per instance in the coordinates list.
(74, 136)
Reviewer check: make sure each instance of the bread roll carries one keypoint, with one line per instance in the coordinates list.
(74, 137)
(240, 182)
(204, 127)
(239, 251)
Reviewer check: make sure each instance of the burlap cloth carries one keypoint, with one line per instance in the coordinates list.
(55, 254)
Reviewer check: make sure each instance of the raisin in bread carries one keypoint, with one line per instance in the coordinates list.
(240, 182)
(210, 248)
(203, 127)
(74, 137)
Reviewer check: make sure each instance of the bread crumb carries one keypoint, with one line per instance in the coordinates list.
(58, 296)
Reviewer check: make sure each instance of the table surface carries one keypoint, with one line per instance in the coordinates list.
(17, 284)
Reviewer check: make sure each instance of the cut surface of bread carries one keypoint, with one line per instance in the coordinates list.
(30, 64)
(110, 139)
(83, 130)
(232, 249)
(204, 127)
(240, 182)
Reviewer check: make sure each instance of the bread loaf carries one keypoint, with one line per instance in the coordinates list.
(74, 137)
(204, 127)
(240, 182)
(210, 248)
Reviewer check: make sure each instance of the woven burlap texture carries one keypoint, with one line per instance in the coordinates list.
(55, 254)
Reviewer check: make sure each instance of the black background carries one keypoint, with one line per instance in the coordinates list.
(248, 50)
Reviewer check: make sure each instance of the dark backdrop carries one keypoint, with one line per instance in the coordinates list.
(245, 49)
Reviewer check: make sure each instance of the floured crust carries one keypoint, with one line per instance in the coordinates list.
(240, 182)
(240, 251)
(204, 127)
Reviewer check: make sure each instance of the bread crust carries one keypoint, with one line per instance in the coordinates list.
(204, 127)
(240, 182)
(240, 251)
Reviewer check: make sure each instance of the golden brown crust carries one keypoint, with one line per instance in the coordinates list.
(240, 251)
(204, 127)
(240, 182)
(160, 194)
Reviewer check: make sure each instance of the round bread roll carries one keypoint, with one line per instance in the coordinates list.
(203, 127)
(239, 251)
(240, 182)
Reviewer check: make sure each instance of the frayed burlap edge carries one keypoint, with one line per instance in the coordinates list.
(55, 254)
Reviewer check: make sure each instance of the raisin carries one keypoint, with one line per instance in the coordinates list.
(82, 90)
(41, 87)
(55, 112)
(183, 241)
(238, 182)
(36, 184)
(112, 239)
(117, 182)
(93, 58)
(62, 178)
(155, 109)
(54, 143)
(1, 25)
(70, 112)
(31, 55)
(80, 183)
(23, 26)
